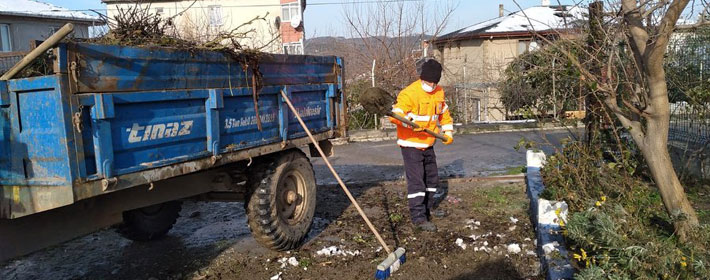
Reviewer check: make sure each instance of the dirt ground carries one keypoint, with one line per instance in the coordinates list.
(212, 241)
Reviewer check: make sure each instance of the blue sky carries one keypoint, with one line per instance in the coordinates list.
(323, 20)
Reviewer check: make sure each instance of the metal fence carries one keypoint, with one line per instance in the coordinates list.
(690, 124)
(7, 60)
(689, 87)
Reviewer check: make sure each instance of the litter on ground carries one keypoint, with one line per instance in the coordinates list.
(514, 248)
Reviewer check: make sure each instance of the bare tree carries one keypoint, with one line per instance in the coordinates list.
(392, 34)
(626, 75)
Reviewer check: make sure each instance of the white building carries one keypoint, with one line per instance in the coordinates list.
(281, 32)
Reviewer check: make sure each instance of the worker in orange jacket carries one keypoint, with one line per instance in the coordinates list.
(423, 103)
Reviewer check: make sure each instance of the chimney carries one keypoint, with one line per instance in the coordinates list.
(500, 10)
(545, 3)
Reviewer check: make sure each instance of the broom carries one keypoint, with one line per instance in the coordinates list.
(394, 259)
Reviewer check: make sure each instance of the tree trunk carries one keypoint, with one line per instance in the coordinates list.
(655, 150)
(666, 179)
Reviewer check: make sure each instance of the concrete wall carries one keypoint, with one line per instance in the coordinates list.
(192, 20)
(23, 30)
(478, 61)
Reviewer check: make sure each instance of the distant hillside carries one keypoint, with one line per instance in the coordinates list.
(355, 51)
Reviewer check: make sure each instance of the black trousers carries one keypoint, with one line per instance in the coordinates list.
(422, 181)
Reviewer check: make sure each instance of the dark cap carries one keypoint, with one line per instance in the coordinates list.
(431, 71)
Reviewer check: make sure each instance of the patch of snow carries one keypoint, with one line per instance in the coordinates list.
(473, 222)
(276, 277)
(512, 228)
(513, 220)
(550, 247)
(530, 253)
(514, 248)
(335, 251)
(547, 212)
(40, 9)
(292, 261)
(459, 242)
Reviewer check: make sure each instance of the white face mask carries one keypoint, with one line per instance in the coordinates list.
(427, 87)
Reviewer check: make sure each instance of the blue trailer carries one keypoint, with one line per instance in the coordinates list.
(123, 134)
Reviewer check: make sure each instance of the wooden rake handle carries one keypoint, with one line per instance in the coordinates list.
(46, 45)
(342, 185)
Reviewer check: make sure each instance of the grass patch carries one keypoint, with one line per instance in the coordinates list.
(502, 199)
(513, 170)
(699, 196)
(496, 195)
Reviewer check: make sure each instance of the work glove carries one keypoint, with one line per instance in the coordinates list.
(415, 129)
(449, 137)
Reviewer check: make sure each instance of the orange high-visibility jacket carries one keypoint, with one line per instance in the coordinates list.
(426, 109)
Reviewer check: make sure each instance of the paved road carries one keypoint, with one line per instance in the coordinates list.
(469, 156)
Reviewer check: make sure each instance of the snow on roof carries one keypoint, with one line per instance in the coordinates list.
(533, 19)
(34, 8)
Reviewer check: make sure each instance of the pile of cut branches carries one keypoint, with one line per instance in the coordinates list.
(137, 26)
(134, 26)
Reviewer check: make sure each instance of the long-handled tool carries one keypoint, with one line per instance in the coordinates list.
(46, 45)
(377, 101)
(394, 259)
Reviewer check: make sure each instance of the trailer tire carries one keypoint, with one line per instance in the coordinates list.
(282, 200)
(151, 222)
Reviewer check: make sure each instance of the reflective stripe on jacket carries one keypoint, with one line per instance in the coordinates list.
(426, 109)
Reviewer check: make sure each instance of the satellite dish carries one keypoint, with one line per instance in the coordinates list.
(296, 21)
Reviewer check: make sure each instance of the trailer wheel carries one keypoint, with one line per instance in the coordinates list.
(150, 223)
(282, 203)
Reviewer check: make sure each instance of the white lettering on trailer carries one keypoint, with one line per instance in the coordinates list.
(247, 121)
(309, 111)
(158, 131)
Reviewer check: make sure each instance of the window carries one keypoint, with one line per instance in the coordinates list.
(158, 11)
(527, 46)
(5, 38)
(288, 11)
(293, 48)
(216, 18)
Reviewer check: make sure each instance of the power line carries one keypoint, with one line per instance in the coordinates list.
(241, 6)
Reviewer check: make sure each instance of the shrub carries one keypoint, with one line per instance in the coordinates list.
(617, 226)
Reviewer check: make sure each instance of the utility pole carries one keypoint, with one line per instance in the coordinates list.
(372, 77)
(554, 93)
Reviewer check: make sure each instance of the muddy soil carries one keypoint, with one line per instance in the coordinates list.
(212, 241)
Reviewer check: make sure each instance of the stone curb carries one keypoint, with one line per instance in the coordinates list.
(384, 135)
(546, 216)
